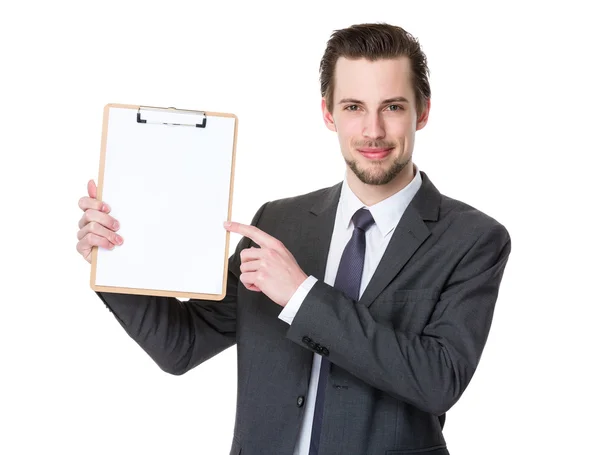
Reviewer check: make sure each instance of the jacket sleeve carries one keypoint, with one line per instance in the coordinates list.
(430, 369)
(177, 335)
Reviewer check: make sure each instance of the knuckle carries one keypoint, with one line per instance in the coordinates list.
(92, 239)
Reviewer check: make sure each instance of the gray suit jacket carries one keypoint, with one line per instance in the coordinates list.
(401, 356)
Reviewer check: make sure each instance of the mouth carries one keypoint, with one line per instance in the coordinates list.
(375, 153)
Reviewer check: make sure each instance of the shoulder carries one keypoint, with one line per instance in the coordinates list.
(451, 218)
(293, 209)
(301, 202)
(468, 222)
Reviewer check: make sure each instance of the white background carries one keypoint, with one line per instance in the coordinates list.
(512, 131)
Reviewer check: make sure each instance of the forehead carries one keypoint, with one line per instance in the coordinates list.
(372, 80)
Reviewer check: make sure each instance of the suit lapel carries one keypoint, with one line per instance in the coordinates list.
(408, 236)
(321, 221)
(410, 233)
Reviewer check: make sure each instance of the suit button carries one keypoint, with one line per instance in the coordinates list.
(312, 344)
(324, 351)
(300, 401)
(306, 340)
(319, 349)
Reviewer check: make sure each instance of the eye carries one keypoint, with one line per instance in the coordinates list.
(396, 107)
(351, 107)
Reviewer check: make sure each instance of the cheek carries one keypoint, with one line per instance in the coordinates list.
(348, 129)
(400, 132)
(398, 127)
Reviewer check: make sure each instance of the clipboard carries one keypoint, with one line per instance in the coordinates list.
(168, 176)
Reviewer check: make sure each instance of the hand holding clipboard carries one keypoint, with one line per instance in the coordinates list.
(96, 227)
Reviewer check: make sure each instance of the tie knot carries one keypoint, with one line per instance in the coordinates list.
(363, 219)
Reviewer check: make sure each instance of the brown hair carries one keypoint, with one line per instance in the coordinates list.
(373, 42)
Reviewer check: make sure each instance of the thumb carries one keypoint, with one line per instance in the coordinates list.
(92, 189)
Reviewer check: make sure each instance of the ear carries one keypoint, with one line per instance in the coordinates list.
(327, 116)
(422, 120)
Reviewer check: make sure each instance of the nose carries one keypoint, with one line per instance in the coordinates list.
(373, 127)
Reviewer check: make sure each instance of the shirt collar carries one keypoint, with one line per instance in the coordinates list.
(386, 213)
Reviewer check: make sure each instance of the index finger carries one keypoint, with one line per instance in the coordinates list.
(261, 238)
(91, 203)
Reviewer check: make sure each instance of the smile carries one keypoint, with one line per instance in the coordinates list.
(375, 153)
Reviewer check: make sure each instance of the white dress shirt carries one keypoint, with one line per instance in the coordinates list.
(386, 214)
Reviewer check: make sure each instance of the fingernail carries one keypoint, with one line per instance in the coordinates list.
(119, 239)
(227, 224)
(105, 208)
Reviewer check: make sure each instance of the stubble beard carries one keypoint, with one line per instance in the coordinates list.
(376, 174)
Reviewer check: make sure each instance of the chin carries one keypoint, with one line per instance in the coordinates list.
(370, 176)
(377, 172)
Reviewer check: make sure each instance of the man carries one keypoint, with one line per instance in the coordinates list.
(360, 311)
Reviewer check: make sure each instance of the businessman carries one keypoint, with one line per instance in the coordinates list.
(360, 311)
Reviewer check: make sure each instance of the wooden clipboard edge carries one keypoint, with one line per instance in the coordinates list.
(157, 292)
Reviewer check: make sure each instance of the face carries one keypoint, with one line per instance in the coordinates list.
(375, 116)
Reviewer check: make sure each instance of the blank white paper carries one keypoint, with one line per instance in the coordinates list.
(168, 186)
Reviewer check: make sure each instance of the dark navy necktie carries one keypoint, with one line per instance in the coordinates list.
(348, 281)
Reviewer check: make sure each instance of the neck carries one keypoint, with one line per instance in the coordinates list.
(372, 194)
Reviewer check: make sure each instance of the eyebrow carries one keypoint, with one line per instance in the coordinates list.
(398, 99)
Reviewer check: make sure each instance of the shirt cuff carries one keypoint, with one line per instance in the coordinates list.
(289, 311)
